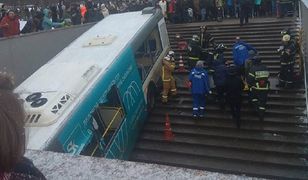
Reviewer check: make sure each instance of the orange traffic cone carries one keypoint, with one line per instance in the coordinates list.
(182, 45)
(181, 65)
(187, 83)
(168, 132)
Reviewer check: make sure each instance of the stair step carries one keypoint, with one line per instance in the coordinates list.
(231, 132)
(213, 109)
(233, 143)
(228, 123)
(223, 153)
(293, 120)
(270, 95)
(270, 104)
(217, 164)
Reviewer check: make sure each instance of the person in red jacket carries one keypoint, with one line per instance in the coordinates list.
(10, 25)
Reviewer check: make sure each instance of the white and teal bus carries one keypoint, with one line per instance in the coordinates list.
(93, 97)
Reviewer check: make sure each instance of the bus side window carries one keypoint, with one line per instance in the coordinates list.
(106, 119)
(151, 49)
(152, 45)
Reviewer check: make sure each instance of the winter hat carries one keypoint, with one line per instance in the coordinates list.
(199, 64)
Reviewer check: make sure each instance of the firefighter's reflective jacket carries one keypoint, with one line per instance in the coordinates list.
(168, 68)
(258, 77)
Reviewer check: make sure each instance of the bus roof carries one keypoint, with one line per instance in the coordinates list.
(66, 78)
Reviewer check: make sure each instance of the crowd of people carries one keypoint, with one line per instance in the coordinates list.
(179, 11)
(209, 71)
(65, 13)
(61, 14)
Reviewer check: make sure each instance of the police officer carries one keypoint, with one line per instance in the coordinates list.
(168, 79)
(199, 88)
(194, 51)
(259, 85)
(234, 88)
(287, 61)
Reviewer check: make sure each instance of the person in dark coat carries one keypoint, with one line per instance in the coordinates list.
(219, 76)
(234, 89)
(206, 39)
(75, 14)
(245, 11)
(13, 164)
(194, 51)
(54, 13)
(179, 11)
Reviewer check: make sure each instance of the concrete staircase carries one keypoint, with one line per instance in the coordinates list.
(276, 148)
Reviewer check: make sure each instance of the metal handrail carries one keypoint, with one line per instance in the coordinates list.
(108, 127)
(111, 122)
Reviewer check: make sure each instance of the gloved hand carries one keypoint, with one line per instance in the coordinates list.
(210, 92)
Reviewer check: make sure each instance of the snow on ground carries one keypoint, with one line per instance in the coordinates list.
(63, 166)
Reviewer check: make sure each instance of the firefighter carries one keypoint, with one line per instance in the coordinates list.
(167, 78)
(294, 40)
(258, 85)
(194, 51)
(199, 88)
(287, 61)
(206, 43)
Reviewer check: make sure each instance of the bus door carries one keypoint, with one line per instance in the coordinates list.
(106, 119)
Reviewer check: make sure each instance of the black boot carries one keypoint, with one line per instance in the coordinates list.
(261, 116)
(238, 123)
(281, 85)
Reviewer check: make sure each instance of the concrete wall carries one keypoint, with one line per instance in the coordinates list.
(304, 21)
(58, 166)
(23, 55)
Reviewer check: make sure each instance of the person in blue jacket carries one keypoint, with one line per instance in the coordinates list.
(199, 88)
(241, 52)
(47, 23)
